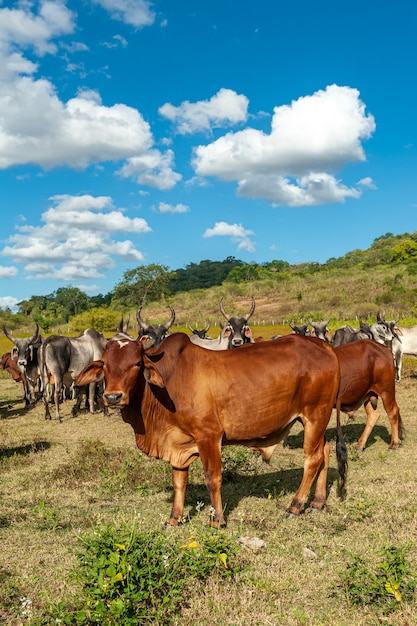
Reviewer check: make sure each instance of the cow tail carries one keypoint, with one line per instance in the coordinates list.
(400, 427)
(341, 453)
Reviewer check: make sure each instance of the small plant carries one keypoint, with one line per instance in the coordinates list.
(129, 578)
(386, 585)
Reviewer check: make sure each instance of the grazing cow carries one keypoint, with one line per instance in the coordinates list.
(367, 372)
(62, 359)
(237, 330)
(153, 334)
(184, 402)
(26, 353)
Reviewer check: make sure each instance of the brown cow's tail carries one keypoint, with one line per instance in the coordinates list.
(400, 428)
(341, 454)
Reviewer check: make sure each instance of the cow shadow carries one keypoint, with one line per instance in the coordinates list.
(237, 486)
(35, 447)
(12, 409)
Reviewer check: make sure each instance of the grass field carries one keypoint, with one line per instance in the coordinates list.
(59, 482)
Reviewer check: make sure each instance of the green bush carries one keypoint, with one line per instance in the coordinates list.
(128, 577)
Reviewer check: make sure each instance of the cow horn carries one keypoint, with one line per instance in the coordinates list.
(141, 323)
(171, 320)
(380, 318)
(222, 311)
(251, 309)
(8, 335)
(207, 327)
(35, 335)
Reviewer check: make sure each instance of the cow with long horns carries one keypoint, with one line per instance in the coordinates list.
(237, 330)
(26, 354)
(153, 334)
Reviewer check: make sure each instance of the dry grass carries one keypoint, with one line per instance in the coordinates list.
(58, 480)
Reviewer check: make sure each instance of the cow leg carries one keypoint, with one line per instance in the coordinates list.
(179, 481)
(320, 495)
(210, 454)
(393, 412)
(372, 416)
(314, 461)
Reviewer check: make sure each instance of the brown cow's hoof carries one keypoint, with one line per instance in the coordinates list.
(289, 515)
(312, 510)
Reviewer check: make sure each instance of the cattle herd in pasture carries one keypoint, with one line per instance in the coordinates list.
(186, 396)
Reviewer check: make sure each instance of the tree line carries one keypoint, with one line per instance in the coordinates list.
(156, 282)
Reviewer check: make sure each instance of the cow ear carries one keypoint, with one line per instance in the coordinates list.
(92, 373)
(153, 376)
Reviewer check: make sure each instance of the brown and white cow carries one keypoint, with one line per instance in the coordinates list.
(185, 402)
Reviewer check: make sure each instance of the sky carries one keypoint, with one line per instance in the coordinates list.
(136, 132)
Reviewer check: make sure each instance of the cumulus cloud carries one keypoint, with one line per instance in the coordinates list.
(225, 108)
(21, 27)
(79, 238)
(8, 271)
(8, 302)
(138, 13)
(236, 232)
(41, 129)
(164, 207)
(312, 136)
(153, 169)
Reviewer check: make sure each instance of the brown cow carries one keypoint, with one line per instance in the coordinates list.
(184, 401)
(367, 370)
(8, 363)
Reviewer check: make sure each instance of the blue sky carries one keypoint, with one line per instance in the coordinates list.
(170, 132)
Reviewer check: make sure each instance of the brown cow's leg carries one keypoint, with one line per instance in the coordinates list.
(179, 481)
(210, 454)
(314, 460)
(393, 412)
(372, 416)
(320, 494)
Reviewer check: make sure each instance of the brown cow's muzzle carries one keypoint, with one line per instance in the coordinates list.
(112, 399)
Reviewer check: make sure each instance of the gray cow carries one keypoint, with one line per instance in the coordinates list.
(62, 359)
(26, 354)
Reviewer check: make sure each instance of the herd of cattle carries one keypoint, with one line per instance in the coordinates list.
(186, 396)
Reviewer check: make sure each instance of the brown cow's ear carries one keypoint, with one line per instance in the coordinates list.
(153, 376)
(92, 373)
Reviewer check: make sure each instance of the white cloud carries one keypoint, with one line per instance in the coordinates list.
(224, 108)
(8, 302)
(313, 135)
(153, 169)
(236, 232)
(138, 13)
(8, 271)
(77, 241)
(367, 182)
(21, 27)
(170, 208)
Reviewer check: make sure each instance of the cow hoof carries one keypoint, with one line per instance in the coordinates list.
(289, 515)
(312, 510)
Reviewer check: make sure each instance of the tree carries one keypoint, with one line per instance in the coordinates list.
(146, 282)
(72, 300)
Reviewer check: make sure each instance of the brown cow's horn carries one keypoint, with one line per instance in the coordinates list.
(141, 323)
(222, 309)
(251, 309)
